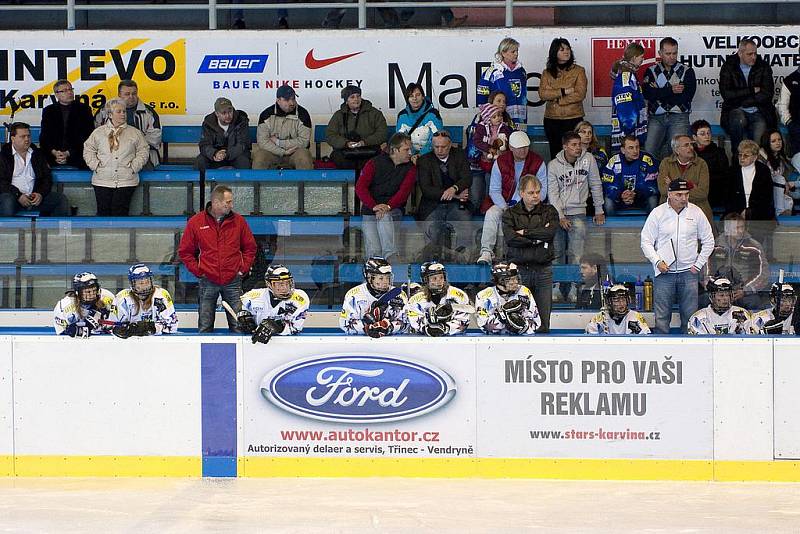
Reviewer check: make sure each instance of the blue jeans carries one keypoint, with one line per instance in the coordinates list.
(53, 204)
(438, 227)
(667, 287)
(661, 129)
(478, 190)
(570, 242)
(611, 207)
(207, 294)
(379, 234)
(743, 125)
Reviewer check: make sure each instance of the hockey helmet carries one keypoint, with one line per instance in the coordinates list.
(618, 300)
(429, 270)
(505, 277)
(86, 287)
(141, 278)
(787, 296)
(279, 281)
(378, 275)
(720, 293)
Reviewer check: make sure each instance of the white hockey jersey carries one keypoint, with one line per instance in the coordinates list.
(292, 311)
(706, 322)
(419, 304)
(161, 312)
(66, 313)
(488, 303)
(764, 316)
(357, 302)
(632, 324)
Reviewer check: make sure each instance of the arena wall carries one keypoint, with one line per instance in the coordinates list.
(565, 407)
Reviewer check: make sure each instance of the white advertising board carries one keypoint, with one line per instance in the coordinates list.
(181, 73)
(6, 398)
(107, 396)
(595, 398)
(787, 398)
(359, 397)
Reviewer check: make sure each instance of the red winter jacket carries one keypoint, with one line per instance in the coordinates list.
(509, 183)
(217, 252)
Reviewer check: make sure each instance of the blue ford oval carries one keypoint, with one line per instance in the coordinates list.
(358, 388)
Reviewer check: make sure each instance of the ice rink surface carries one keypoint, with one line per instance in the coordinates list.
(393, 505)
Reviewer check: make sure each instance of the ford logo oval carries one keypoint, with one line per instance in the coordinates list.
(355, 388)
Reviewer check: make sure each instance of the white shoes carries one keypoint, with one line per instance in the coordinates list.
(485, 257)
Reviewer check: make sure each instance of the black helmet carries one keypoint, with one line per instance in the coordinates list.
(279, 273)
(616, 292)
(502, 273)
(428, 269)
(788, 299)
(83, 281)
(375, 266)
(718, 289)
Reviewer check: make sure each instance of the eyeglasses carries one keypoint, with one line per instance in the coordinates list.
(442, 133)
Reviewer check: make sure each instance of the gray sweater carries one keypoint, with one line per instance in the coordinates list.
(568, 185)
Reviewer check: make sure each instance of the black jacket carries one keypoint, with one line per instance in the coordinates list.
(718, 173)
(429, 178)
(56, 136)
(535, 246)
(762, 203)
(44, 178)
(236, 141)
(738, 93)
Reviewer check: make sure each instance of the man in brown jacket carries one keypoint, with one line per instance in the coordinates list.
(684, 164)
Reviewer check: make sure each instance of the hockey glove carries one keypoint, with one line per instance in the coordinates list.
(122, 330)
(511, 316)
(376, 312)
(739, 316)
(246, 322)
(440, 314)
(378, 329)
(142, 328)
(159, 305)
(774, 327)
(435, 330)
(634, 327)
(74, 330)
(264, 332)
(92, 322)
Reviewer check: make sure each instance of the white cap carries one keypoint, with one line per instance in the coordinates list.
(519, 139)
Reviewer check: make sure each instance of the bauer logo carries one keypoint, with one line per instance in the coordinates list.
(233, 64)
(356, 388)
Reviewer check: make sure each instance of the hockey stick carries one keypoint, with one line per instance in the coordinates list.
(229, 310)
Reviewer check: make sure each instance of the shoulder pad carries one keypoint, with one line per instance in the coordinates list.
(485, 293)
(253, 294)
(647, 158)
(123, 294)
(299, 297)
(417, 298)
(457, 293)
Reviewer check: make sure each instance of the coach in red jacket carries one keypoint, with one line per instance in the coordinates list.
(218, 247)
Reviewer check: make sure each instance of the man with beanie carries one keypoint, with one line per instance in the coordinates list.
(504, 188)
(284, 134)
(225, 141)
(356, 132)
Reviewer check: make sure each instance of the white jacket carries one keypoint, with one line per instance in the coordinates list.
(672, 237)
(121, 167)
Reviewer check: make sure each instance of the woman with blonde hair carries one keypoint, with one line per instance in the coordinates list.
(591, 144)
(508, 75)
(116, 152)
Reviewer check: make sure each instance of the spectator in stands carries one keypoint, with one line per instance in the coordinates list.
(383, 188)
(284, 134)
(630, 179)
(773, 155)
(356, 132)
(684, 164)
(750, 191)
(116, 152)
(593, 272)
(571, 175)
(225, 141)
(529, 228)
(741, 259)
(444, 180)
(508, 75)
(66, 125)
(26, 182)
(218, 248)
(563, 89)
(139, 115)
(628, 107)
(591, 144)
(789, 109)
(747, 89)
(716, 160)
(480, 183)
(503, 188)
(669, 88)
(419, 120)
(669, 241)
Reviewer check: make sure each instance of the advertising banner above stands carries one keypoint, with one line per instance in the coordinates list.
(363, 399)
(181, 73)
(592, 398)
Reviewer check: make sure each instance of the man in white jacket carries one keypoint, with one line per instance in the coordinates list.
(669, 242)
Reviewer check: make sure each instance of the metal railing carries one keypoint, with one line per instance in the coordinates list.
(71, 7)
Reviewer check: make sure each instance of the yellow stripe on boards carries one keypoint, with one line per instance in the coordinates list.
(737, 471)
(6, 466)
(108, 466)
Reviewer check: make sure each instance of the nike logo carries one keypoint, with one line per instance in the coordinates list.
(314, 63)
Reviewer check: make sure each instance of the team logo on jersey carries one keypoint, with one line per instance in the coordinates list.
(353, 388)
